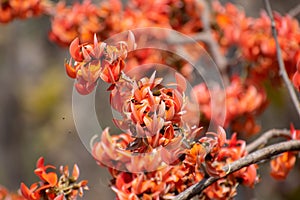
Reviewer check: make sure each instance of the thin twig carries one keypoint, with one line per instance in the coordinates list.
(294, 11)
(252, 158)
(212, 44)
(280, 61)
(265, 137)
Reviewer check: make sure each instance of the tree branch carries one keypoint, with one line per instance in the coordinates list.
(211, 42)
(295, 11)
(265, 137)
(252, 158)
(280, 61)
(207, 37)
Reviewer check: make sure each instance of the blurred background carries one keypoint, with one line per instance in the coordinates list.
(36, 112)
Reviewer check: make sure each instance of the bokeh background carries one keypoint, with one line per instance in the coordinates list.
(36, 112)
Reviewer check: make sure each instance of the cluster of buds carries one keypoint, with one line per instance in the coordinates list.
(52, 187)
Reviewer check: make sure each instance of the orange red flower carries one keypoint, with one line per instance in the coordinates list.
(52, 187)
(96, 60)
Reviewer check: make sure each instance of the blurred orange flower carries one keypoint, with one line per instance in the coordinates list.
(244, 100)
(282, 165)
(22, 9)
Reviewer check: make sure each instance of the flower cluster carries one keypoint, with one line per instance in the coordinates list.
(22, 9)
(254, 41)
(284, 163)
(249, 38)
(107, 18)
(244, 101)
(51, 186)
(231, 150)
(205, 156)
(180, 15)
(160, 152)
(83, 20)
(152, 118)
(150, 107)
(97, 60)
(164, 147)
